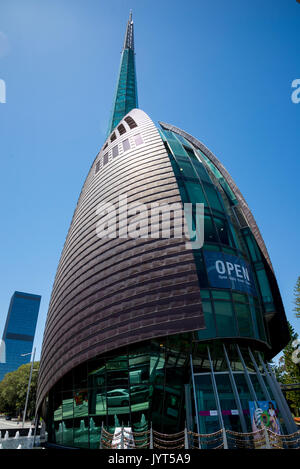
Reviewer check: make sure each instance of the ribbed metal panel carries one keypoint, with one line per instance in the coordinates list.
(112, 292)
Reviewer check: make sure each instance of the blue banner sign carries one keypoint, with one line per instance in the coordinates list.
(227, 271)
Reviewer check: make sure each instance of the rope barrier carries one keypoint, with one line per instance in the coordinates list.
(168, 442)
(167, 447)
(253, 440)
(205, 434)
(168, 435)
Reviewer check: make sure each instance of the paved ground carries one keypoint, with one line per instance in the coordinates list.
(12, 423)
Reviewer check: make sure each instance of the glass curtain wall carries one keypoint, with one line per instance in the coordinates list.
(229, 312)
(145, 384)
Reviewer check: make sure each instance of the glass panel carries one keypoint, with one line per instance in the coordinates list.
(115, 151)
(264, 286)
(195, 192)
(213, 198)
(209, 320)
(227, 402)
(97, 401)
(175, 145)
(81, 432)
(80, 376)
(260, 324)
(67, 423)
(80, 403)
(253, 249)
(139, 398)
(245, 397)
(201, 171)
(186, 168)
(157, 379)
(207, 407)
(174, 394)
(240, 297)
(57, 407)
(210, 235)
(244, 320)
(126, 145)
(95, 431)
(105, 159)
(220, 295)
(225, 319)
(138, 139)
(201, 269)
(205, 294)
(223, 232)
(258, 390)
(217, 356)
(235, 362)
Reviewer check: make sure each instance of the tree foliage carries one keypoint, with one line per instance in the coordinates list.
(13, 390)
(288, 372)
(297, 298)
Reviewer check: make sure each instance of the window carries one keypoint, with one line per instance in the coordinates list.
(105, 159)
(138, 139)
(195, 192)
(126, 144)
(186, 168)
(115, 151)
(213, 197)
(223, 232)
(221, 295)
(225, 320)
(240, 217)
(264, 286)
(97, 166)
(132, 124)
(112, 138)
(210, 235)
(244, 320)
(121, 129)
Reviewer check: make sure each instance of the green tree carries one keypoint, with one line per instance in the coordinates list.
(297, 298)
(13, 390)
(288, 372)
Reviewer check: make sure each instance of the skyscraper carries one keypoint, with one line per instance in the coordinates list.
(19, 330)
(147, 327)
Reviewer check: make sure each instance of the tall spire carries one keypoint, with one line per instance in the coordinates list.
(126, 92)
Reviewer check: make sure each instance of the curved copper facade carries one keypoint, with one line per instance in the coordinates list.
(112, 292)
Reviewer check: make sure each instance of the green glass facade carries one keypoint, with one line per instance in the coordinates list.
(136, 385)
(228, 312)
(150, 384)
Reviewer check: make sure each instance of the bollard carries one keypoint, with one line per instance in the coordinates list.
(101, 436)
(268, 446)
(122, 437)
(186, 439)
(225, 439)
(151, 438)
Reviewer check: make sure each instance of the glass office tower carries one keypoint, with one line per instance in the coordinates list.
(149, 329)
(19, 330)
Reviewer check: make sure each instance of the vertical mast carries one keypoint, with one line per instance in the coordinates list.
(126, 92)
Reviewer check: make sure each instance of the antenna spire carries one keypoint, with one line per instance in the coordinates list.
(126, 92)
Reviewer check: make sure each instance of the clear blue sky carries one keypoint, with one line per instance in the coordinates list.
(221, 70)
